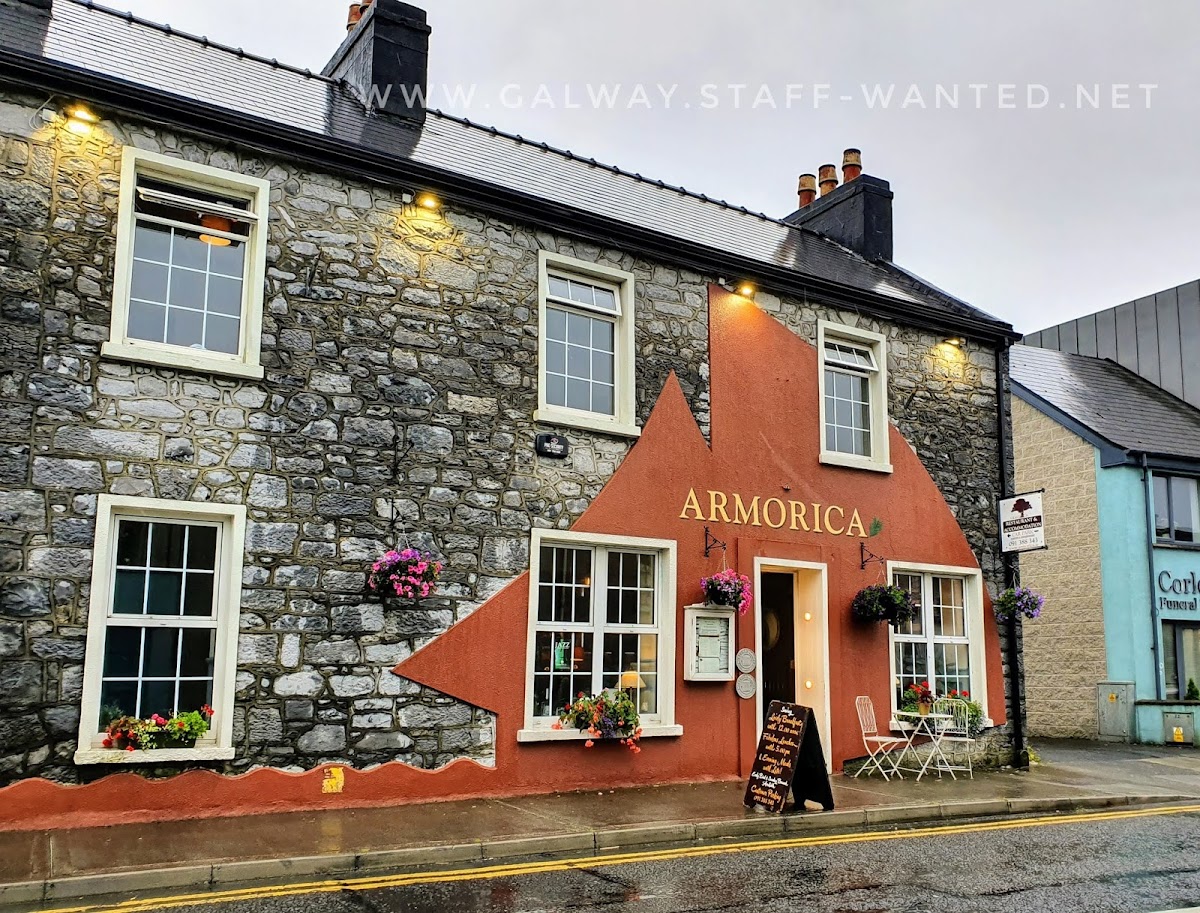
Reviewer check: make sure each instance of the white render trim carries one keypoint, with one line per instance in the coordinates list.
(137, 756)
(136, 162)
(624, 420)
(232, 518)
(545, 734)
(663, 721)
(880, 458)
(973, 593)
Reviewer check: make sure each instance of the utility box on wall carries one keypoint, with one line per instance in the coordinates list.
(1179, 728)
(1115, 711)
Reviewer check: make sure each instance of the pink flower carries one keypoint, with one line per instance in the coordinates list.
(588, 744)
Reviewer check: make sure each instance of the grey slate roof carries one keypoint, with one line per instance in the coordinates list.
(1110, 400)
(91, 38)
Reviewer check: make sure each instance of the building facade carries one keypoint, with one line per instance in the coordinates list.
(252, 341)
(1116, 652)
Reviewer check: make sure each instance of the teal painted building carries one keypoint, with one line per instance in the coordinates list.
(1146, 518)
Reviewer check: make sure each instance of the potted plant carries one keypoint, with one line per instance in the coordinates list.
(974, 709)
(729, 588)
(918, 697)
(409, 574)
(179, 730)
(1018, 602)
(608, 715)
(882, 602)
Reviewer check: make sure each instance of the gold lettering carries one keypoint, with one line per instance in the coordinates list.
(856, 521)
(741, 515)
(798, 512)
(713, 506)
(817, 519)
(692, 503)
(766, 512)
(829, 526)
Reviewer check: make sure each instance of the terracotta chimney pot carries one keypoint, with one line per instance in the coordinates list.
(354, 16)
(829, 178)
(807, 189)
(851, 165)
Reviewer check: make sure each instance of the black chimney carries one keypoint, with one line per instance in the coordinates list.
(385, 59)
(857, 215)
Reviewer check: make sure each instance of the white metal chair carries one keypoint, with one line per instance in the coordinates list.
(877, 745)
(955, 731)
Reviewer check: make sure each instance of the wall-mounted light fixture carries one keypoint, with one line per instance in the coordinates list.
(743, 287)
(429, 201)
(746, 289)
(957, 341)
(80, 118)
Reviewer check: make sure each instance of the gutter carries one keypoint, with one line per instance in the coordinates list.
(1020, 755)
(1155, 620)
(221, 125)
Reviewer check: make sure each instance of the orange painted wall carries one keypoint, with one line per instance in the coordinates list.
(765, 442)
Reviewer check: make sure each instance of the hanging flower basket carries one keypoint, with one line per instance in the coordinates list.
(728, 588)
(881, 602)
(1019, 602)
(610, 715)
(409, 574)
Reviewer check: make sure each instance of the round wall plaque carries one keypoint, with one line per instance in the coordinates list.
(745, 660)
(746, 687)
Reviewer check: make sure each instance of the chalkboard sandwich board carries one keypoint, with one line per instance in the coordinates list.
(789, 758)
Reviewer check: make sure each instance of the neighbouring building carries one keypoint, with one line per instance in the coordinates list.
(1118, 644)
(262, 324)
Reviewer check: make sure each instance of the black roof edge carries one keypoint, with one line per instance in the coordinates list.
(1110, 453)
(140, 102)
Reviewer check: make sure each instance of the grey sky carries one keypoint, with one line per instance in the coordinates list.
(1034, 213)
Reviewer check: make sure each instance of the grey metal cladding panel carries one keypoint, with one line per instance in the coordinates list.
(1146, 319)
(1087, 335)
(1050, 338)
(1033, 339)
(1106, 334)
(1127, 351)
(1068, 338)
(1189, 334)
(1170, 354)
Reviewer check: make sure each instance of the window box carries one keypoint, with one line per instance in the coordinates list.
(190, 265)
(852, 381)
(585, 346)
(162, 622)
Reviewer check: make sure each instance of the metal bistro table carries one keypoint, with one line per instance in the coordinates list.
(931, 725)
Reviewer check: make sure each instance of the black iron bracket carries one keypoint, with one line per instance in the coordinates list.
(869, 557)
(711, 542)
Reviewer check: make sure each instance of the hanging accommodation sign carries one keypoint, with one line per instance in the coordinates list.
(1022, 524)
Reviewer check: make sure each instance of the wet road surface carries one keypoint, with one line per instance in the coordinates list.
(1127, 864)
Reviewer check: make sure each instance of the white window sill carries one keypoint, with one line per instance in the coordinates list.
(155, 756)
(853, 461)
(649, 731)
(561, 418)
(182, 360)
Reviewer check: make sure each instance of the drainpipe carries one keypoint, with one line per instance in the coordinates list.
(1020, 756)
(1156, 633)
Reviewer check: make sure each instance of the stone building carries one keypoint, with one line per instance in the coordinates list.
(261, 325)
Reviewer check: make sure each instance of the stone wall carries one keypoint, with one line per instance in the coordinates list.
(1064, 648)
(387, 329)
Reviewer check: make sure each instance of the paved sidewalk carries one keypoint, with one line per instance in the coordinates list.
(37, 866)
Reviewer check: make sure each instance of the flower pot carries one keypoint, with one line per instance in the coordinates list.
(924, 709)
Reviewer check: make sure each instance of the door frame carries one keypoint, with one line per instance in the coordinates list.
(765, 564)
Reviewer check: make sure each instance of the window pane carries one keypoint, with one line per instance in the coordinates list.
(1183, 508)
(149, 281)
(556, 357)
(602, 399)
(559, 288)
(953, 669)
(565, 595)
(1170, 661)
(166, 544)
(229, 260)
(163, 594)
(157, 697)
(222, 334)
(602, 335)
(602, 367)
(225, 296)
(556, 324)
(194, 695)
(912, 666)
(116, 699)
(129, 593)
(189, 251)
(562, 669)
(556, 389)
(579, 329)
(147, 321)
(606, 299)
(161, 655)
(152, 242)
(122, 650)
(1189, 655)
(579, 362)
(202, 547)
(949, 612)
(1162, 514)
(187, 288)
(912, 584)
(198, 653)
(185, 328)
(131, 542)
(198, 595)
(578, 394)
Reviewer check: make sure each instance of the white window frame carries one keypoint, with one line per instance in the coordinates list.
(880, 457)
(662, 723)
(218, 743)
(973, 616)
(137, 162)
(623, 422)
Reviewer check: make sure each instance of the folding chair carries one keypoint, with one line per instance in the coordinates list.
(877, 745)
(956, 731)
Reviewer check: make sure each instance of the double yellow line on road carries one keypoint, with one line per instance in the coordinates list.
(589, 862)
